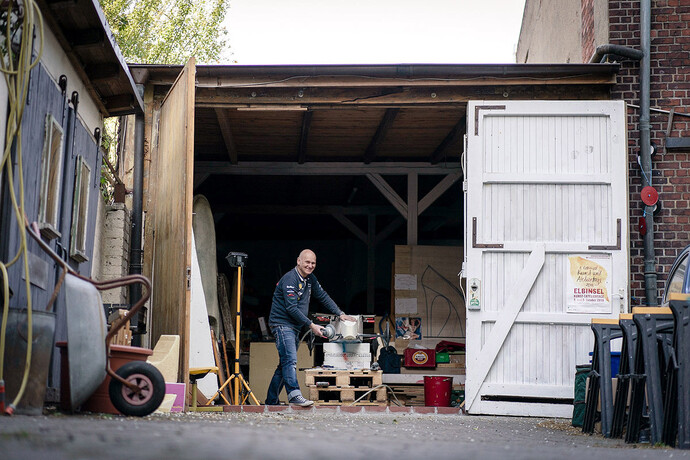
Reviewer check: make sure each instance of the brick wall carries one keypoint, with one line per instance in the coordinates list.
(670, 88)
(115, 243)
(587, 29)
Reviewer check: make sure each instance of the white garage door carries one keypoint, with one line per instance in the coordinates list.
(546, 238)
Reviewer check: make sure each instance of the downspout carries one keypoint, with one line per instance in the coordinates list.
(135, 257)
(645, 149)
(642, 55)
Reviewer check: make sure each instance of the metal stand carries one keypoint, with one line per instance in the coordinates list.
(681, 316)
(654, 330)
(625, 371)
(604, 330)
(236, 259)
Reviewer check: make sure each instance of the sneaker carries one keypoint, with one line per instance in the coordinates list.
(300, 400)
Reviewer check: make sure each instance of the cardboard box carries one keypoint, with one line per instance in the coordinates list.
(263, 360)
(348, 356)
(418, 357)
(177, 389)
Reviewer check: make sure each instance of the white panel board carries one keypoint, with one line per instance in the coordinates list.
(544, 177)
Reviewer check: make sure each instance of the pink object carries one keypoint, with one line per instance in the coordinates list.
(178, 389)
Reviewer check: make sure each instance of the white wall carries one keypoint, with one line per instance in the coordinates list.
(551, 31)
(57, 63)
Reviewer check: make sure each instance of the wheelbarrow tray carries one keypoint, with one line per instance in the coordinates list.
(86, 331)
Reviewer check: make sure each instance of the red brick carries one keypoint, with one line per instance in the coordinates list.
(424, 410)
(232, 408)
(254, 409)
(351, 409)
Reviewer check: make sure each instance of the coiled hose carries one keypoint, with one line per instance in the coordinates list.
(23, 18)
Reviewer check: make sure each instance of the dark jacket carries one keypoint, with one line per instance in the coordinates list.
(291, 300)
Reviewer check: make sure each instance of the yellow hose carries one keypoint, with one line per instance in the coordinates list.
(18, 86)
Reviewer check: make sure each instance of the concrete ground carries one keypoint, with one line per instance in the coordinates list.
(307, 434)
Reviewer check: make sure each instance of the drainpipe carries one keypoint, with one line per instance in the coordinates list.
(135, 257)
(604, 50)
(645, 149)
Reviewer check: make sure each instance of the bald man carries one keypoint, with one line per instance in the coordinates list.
(288, 317)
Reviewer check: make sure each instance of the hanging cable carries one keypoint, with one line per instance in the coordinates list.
(23, 18)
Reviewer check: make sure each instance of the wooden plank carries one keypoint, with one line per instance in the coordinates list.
(437, 191)
(453, 137)
(226, 131)
(268, 168)
(304, 136)
(388, 192)
(361, 97)
(412, 204)
(497, 335)
(172, 218)
(347, 223)
(380, 135)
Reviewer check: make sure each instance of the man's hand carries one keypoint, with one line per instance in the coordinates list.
(316, 329)
(345, 317)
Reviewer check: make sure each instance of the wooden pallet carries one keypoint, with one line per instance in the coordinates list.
(363, 378)
(337, 395)
(408, 394)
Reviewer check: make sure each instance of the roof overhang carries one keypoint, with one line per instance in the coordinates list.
(82, 31)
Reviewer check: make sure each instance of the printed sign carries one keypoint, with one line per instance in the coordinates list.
(589, 283)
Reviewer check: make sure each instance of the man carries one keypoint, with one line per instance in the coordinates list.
(288, 316)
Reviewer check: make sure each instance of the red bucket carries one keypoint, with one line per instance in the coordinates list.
(437, 390)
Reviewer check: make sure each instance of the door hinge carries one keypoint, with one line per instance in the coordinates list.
(189, 278)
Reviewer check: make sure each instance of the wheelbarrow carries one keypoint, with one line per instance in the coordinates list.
(137, 388)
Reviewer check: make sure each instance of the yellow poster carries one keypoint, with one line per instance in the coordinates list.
(588, 283)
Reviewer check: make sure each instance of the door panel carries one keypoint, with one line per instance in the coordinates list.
(172, 214)
(546, 245)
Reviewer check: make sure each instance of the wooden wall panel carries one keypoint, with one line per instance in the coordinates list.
(172, 217)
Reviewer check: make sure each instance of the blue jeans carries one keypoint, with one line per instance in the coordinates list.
(287, 341)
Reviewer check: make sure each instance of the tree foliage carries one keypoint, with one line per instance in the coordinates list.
(167, 31)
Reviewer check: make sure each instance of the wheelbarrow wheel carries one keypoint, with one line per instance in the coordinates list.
(149, 396)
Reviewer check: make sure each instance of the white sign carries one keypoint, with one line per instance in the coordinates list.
(589, 283)
(405, 306)
(406, 282)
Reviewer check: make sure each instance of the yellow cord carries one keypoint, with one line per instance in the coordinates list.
(18, 86)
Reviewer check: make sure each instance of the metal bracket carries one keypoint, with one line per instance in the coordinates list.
(483, 107)
(594, 247)
(481, 245)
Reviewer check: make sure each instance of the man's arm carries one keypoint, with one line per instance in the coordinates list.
(322, 296)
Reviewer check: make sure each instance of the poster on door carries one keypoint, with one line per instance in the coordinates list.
(589, 283)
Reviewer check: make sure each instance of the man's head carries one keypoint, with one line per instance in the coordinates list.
(306, 262)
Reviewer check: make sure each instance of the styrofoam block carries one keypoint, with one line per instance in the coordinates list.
(166, 356)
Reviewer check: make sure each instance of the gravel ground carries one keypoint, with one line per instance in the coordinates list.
(307, 435)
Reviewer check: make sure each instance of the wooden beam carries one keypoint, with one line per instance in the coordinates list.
(103, 72)
(120, 104)
(85, 37)
(390, 228)
(313, 98)
(380, 135)
(304, 136)
(412, 214)
(200, 179)
(226, 131)
(371, 262)
(437, 191)
(262, 168)
(388, 192)
(275, 209)
(347, 223)
(453, 136)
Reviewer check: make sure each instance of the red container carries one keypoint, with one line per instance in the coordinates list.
(437, 390)
(418, 357)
